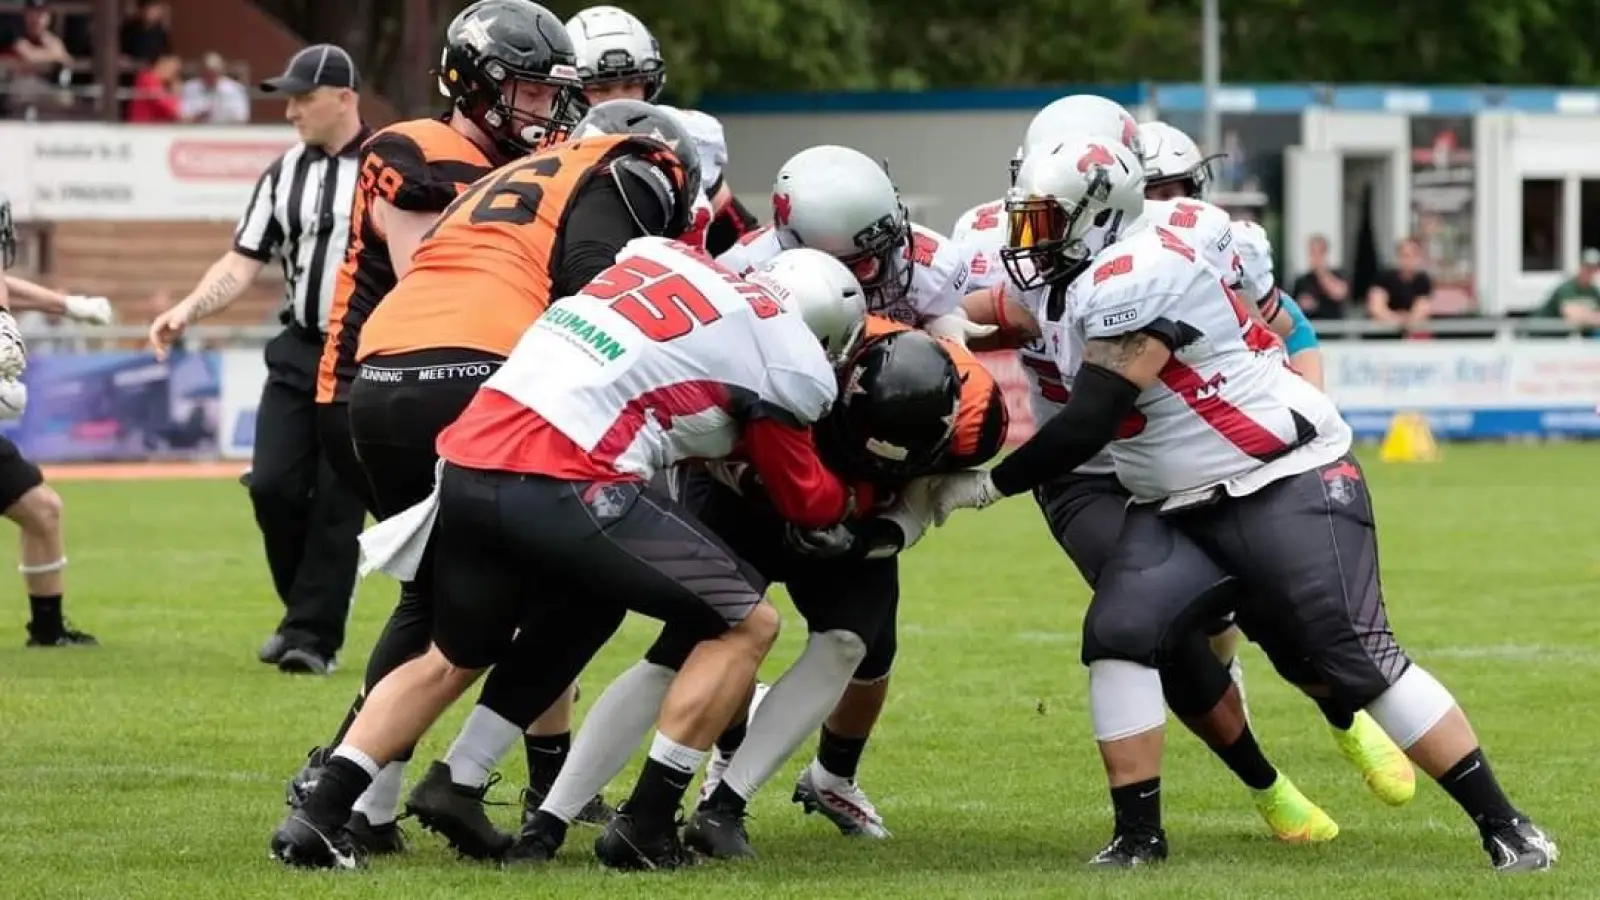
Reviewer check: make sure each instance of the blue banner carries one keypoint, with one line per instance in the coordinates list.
(120, 406)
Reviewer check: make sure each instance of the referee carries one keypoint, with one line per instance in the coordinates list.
(300, 214)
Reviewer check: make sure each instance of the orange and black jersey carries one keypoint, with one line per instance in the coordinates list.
(981, 419)
(416, 166)
(530, 232)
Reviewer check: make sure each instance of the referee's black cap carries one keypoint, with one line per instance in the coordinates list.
(319, 65)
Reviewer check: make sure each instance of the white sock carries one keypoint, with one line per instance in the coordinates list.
(669, 752)
(483, 740)
(614, 728)
(367, 763)
(380, 802)
(795, 707)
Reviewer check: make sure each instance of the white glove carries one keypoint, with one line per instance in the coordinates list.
(969, 489)
(90, 310)
(13, 354)
(913, 512)
(957, 327)
(13, 399)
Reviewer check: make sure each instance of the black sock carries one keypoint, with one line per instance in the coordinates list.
(1337, 714)
(546, 754)
(338, 787)
(46, 614)
(840, 755)
(1471, 783)
(726, 799)
(732, 737)
(1247, 761)
(1138, 807)
(658, 794)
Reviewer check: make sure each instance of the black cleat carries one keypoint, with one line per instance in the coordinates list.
(539, 839)
(1132, 848)
(596, 812)
(272, 649)
(624, 844)
(305, 780)
(1519, 846)
(455, 812)
(65, 636)
(301, 661)
(375, 840)
(302, 843)
(718, 833)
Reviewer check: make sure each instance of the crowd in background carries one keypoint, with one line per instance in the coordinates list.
(47, 68)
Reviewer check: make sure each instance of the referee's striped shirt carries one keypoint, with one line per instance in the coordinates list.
(300, 212)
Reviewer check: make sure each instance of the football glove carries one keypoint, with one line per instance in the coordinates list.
(13, 354)
(89, 310)
(968, 489)
(13, 399)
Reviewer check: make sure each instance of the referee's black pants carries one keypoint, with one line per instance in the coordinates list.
(309, 520)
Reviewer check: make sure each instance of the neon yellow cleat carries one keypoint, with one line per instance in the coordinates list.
(1382, 763)
(1293, 818)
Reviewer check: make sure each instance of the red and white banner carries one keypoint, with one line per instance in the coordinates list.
(78, 172)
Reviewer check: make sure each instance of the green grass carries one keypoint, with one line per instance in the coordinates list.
(153, 766)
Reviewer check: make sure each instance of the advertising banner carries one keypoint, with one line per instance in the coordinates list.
(79, 172)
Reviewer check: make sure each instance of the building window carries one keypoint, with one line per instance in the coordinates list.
(1541, 224)
(1588, 214)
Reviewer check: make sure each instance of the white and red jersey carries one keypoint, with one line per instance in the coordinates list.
(1206, 228)
(662, 358)
(1256, 276)
(1227, 409)
(711, 145)
(980, 235)
(938, 273)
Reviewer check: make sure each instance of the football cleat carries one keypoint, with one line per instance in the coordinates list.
(455, 812)
(375, 840)
(718, 833)
(840, 801)
(305, 780)
(1383, 765)
(596, 812)
(624, 844)
(1130, 849)
(1293, 818)
(1519, 846)
(305, 844)
(65, 636)
(537, 842)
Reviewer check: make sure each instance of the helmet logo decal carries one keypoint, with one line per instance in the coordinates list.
(1096, 155)
(475, 31)
(1130, 133)
(780, 210)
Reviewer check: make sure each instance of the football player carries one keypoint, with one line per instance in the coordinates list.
(497, 74)
(544, 484)
(619, 59)
(1236, 468)
(25, 498)
(423, 352)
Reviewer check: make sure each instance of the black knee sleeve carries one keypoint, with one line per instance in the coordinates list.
(879, 660)
(1192, 680)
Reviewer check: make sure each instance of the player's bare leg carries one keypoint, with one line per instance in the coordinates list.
(42, 557)
(710, 688)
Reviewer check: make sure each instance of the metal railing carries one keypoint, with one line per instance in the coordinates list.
(93, 337)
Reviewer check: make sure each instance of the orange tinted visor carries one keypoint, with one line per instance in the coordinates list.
(1033, 222)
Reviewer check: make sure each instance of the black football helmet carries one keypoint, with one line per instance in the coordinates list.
(896, 410)
(495, 48)
(8, 234)
(677, 182)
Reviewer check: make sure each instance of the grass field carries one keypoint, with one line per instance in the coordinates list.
(153, 766)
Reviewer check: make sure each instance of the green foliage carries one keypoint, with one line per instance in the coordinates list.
(793, 45)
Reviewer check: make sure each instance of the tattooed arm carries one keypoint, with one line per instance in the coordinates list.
(222, 284)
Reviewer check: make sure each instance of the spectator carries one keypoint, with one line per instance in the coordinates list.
(1403, 295)
(143, 38)
(1577, 300)
(38, 49)
(213, 97)
(1322, 291)
(155, 92)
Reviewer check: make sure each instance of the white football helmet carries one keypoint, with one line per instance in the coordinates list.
(1086, 115)
(822, 292)
(1072, 199)
(613, 45)
(1172, 157)
(842, 202)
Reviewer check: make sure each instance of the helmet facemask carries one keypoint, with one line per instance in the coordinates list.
(883, 264)
(489, 98)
